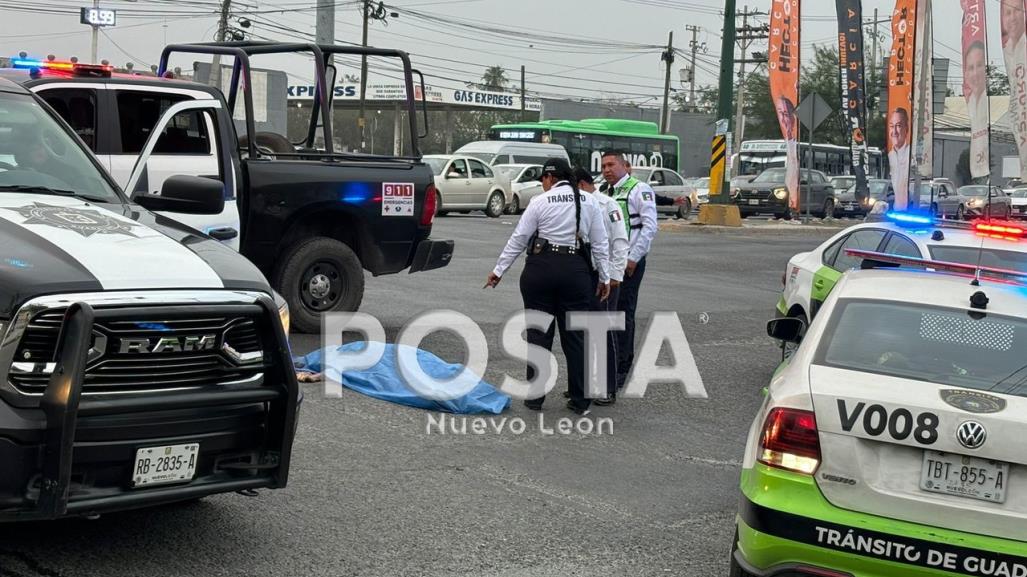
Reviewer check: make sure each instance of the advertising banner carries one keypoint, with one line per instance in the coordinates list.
(900, 98)
(783, 64)
(851, 70)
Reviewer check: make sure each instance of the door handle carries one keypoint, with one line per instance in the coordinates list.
(223, 234)
(818, 284)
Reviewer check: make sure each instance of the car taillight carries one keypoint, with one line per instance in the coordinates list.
(428, 212)
(790, 441)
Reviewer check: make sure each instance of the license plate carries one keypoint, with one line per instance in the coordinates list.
(755, 201)
(964, 476)
(161, 465)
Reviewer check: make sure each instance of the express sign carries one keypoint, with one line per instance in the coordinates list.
(397, 93)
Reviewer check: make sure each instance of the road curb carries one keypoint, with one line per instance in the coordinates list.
(769, 228)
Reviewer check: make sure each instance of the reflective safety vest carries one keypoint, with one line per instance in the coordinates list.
(621, 194)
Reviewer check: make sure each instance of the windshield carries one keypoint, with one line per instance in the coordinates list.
(771, 175)
(878, 188)
(947, 346)
(702, 183)
(436, 164)
(35, 153)
(973, 190)
(486, 157)
(641, 174)
(508, 171)
(989, 257)
(1019, 193)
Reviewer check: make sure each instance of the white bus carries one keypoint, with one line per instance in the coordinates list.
(756, 156)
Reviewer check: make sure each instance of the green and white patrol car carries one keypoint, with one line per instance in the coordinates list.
(810, 276)
(891, 442)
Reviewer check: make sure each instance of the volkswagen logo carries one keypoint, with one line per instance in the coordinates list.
(971, 434)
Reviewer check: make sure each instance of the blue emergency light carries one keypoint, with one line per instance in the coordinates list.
(910, 219)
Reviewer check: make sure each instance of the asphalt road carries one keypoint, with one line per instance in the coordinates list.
(372, 493)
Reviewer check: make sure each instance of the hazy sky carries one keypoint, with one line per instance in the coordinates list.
(447, 53)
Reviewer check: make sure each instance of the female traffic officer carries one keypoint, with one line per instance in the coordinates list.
(557, 228)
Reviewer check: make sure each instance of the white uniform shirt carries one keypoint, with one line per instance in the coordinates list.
(552, 215)
(641, 201)
(618, 234)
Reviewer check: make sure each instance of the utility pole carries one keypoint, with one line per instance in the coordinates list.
(746, 36)
(96, 32)
(694, 45)
(363, 76)
(215, 66)
(727, 73)
(523, 95)
(668, 57)
(325, 28)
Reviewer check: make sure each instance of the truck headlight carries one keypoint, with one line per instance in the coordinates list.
(283, 310)
(781, 193)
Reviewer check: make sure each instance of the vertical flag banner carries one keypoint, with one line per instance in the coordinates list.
(900, 97)
(1014, 51)
(975, 84)
(923, 98)
(851, 69)
(783, 64)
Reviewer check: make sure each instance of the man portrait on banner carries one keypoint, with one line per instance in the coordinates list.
(975, 90)
(789, 123)
(899, 153)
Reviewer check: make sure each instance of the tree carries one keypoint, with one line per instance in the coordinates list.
(998, 82)
(821, 75)
(494, 79)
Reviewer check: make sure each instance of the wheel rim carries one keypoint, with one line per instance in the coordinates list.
(496, 204)
(321, 286)
(515, 206)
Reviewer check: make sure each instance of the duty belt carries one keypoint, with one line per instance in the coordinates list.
(542, 246)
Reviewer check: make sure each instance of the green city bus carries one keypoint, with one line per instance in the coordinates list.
(586, 140)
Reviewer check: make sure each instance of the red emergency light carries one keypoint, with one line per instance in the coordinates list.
(1000, 229)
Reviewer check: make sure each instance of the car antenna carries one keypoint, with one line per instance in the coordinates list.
(980, 255)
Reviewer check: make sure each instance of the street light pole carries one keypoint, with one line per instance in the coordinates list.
(363, 76)
(96, 31)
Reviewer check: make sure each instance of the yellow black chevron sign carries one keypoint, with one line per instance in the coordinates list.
(718, 163)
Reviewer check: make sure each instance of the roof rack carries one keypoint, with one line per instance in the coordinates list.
(872, 260)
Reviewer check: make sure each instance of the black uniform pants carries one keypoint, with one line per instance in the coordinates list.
(609, 305)
(557, 284)
(627, 301)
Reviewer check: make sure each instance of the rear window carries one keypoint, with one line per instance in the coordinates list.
(946, 346)
(436, 164)
(994, 258)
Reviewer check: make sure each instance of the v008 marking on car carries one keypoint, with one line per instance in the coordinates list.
(899, 424)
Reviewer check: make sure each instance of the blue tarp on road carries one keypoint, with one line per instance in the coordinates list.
(384, 381)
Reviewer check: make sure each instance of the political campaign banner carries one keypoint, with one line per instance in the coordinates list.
(1014, 51)
(900, 98)
(783, 65)
(851, 70)
(975, 84)
(923, 97)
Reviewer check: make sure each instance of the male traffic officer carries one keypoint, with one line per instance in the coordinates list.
(618, 250)
(637, 202)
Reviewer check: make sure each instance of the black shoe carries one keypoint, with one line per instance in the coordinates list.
(577, 410)
(566, 394)
(533, 406)
(607, 401)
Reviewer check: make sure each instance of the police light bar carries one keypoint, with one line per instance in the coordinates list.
(873, 259)
(75, 68)
(1000, 229)
(908, 218)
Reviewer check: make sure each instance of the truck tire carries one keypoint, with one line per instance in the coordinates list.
(316, 276)
(495, 205)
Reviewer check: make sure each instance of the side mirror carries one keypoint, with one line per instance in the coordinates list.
(186, 195)
(788, 329)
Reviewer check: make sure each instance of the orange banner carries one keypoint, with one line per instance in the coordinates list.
(783, 63)
(900, 98)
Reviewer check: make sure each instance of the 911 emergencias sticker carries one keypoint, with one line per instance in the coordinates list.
(398, 199)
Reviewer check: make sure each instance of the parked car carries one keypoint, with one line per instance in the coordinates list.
(521, 184)
(311, 218)
(673, 196)
(973, 200)
(465, 183)
(1011, 185)
(702, 188)
(1018, 202)
(144, 363)
(493, 152)
(767, 194)
(846, 204)
(841, 183)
